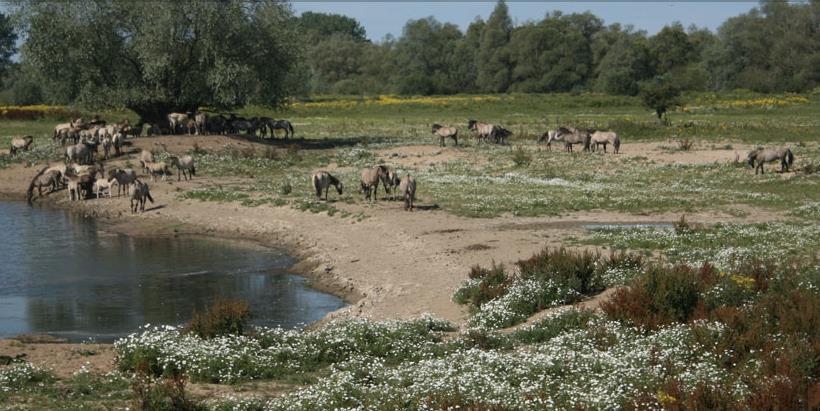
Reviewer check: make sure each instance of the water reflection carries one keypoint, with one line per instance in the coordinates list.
(64, 278)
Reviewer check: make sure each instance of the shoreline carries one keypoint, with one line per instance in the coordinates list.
(304, 265)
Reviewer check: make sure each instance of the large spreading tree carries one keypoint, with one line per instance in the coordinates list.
(160, 56)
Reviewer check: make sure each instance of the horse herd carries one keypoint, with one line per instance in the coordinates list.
(405, 186)
(590, 138)
(201, 123)
(83, 172)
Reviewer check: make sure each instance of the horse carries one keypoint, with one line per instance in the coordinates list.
(185, 167)
(759, 156)
(322, 180)
(102, 184)
(216, 124)
(201, 121)
(44, 178)
(125, 178)
(155, 169)
(549, 136)
(572, 136)
(175, 120)
(139, 195)
(407, 187)
(484, 130)
(370, 180)
(445, 132)
(274, 125)
(20, 144)
(146, 157)
(242, 124)
(598, 138)
(499, 134)
(79, 153)
(391, 182)
(79, 185)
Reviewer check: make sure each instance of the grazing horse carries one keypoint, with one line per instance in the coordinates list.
(370, 180)
(20, 144)
(274, 125)
(322, 180)
(549, 136)
(407, 187)
(572, 136)
(445, 132)
(484, 130)
(239, 123)
(499, 134)
(603, 138)
(759, 156)
(139, 195)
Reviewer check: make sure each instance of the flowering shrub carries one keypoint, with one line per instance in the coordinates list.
(19, 376)
(275, 353)
(550, 278)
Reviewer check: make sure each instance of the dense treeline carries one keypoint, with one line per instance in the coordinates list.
(773, 48)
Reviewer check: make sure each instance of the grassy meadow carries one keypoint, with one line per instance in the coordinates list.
(722, 316)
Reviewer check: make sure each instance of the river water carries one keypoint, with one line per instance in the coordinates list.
(60, 276)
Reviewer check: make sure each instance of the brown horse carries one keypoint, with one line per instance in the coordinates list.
(760, 156)
(445, 132)
(572, 136)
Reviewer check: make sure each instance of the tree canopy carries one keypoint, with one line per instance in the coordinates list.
(160, 56)
(7, 43)
(169, 56)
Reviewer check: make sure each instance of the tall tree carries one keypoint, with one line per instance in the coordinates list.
(7, 43)
(161, 56)
(319, 26)
(423, 56)
(493, 63)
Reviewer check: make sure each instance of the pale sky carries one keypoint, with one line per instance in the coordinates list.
(381, 18)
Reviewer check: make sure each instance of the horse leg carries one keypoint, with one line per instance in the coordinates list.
(326, 191)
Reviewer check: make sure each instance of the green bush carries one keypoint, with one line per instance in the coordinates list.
(576, 270)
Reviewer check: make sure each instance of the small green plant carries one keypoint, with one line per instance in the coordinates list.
(162, 394)
(521, 157)
(484, 284)
(223, 317)
(285, 188)
(685, 144)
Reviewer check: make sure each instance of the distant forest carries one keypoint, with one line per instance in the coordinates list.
(772, 48)
(775, 47)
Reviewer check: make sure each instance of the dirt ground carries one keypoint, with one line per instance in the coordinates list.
(393, 264)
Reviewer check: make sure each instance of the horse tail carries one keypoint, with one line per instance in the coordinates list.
(789, 157)
(193, 170)
(148, 196)
(290, 127)
(616, 143)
